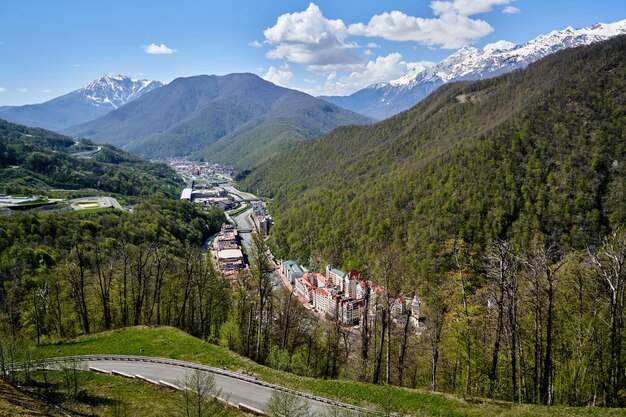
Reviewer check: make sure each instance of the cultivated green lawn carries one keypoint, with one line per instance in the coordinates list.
(172, 343)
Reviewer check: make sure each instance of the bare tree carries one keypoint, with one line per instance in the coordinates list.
(200, 395)
(542, 265)
(264, 286)
(75, 375)
(609, 265)
(287, 404)
(502, 267)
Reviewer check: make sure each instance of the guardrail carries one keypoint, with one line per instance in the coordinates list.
(218, 371)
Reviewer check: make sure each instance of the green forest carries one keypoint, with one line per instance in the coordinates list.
(502, 203)
(37, 161)
(499, 204)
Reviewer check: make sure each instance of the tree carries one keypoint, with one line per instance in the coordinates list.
(287, 404)
(75, 375)
(502, 266)
(608, 263)
(199, 395)
(542, 264)
(263, 285)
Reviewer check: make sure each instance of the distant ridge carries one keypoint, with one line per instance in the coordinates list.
(386, 99)
(95, 99)
(239, 119)
(536, 155)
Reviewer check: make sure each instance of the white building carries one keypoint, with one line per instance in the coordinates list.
(335, 277)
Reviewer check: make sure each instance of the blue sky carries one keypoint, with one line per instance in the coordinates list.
(49, 48)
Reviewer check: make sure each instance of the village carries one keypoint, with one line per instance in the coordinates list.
(335, 295)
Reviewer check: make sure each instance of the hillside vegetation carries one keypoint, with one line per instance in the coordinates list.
(173, 343)
(36, 161)
(536, 154)
(237, 119)
(500, 203)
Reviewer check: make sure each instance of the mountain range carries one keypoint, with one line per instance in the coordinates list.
(96, 99)
(535, 155)
(239, 119)
(383, 100)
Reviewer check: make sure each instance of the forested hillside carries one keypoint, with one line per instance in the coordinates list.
(66, 274)
(536, 155)
(238, 119)
(35, 161)
(501, 203)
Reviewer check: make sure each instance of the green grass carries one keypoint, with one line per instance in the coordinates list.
(14, 403)
(105, 395)
(173, 343)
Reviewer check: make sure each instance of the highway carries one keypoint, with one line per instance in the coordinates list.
(233, 387)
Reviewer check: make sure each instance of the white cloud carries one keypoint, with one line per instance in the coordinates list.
(367, 52)
(308, 38)
(162, 49)
(76, 65)
(510, 10)
(279, 76)
(451, 28)
(3, 90)
(382, 69)
(502, 45)
(465, 7)
(46, 91)
(372, 45)
(255, 44)
(310, 81)
(22, 90)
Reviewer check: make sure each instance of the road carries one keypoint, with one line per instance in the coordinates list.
(242, 220)
(239, 389)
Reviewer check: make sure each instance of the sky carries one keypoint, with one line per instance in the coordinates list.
(325, 47)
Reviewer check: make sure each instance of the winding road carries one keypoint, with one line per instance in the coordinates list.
(236, 388)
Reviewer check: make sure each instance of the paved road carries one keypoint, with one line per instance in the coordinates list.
(236, 390)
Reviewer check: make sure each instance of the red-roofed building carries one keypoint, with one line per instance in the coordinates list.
(315, 278)
(304, 289)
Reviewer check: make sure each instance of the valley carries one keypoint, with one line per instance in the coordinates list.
(322, 210)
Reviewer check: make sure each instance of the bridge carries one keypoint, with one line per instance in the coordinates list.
(250, 200)
(244, 230)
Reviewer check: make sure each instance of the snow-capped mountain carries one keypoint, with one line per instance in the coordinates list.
(386, 99)
(94, 100)
(115, 90)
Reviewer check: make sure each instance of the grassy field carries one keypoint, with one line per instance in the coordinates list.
(173, 343)
(14, 403)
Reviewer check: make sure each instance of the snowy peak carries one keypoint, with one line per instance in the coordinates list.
(116, 90)
(385, 99)
(471, 63)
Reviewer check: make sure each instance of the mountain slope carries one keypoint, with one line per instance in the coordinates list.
(386, 99)
(189, 115)
(34, 160)
(90, 102)
(534, 154)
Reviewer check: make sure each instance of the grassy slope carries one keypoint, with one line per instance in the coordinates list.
(173, 343)
(15, 403)
(106, 395)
